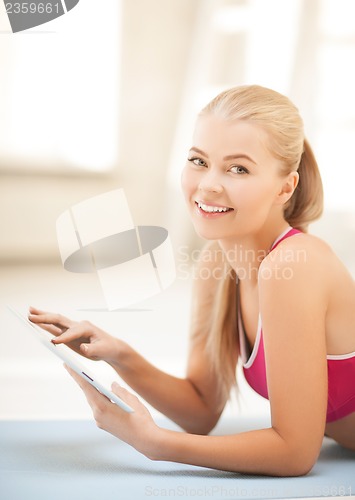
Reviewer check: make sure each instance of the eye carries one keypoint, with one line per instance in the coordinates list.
(197, 161)
(237, 169)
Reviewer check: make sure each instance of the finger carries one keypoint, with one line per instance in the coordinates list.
(76, 332)
(125, 395)
(54, 330)
(88, 389)
(84, 385)
(89, 350)
(93, 396)
(35, 310)
(94, 350)
(50, 318)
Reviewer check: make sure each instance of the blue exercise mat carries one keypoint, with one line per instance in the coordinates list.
(74, 460)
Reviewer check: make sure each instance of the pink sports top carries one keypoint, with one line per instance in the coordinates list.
(341, 368)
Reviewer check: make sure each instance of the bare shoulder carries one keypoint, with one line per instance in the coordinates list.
(301, 268)
(301, 253)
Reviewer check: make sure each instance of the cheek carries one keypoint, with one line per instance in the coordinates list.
(187, 182)
(257, 195)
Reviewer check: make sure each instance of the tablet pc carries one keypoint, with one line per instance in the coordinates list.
(64, 354)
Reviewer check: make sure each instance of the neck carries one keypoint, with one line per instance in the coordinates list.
(245, 253)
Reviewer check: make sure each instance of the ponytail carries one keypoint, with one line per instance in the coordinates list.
(306, 203)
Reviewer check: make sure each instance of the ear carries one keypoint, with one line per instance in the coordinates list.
(289, 185)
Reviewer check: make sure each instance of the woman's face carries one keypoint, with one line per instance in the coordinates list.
(231, 181)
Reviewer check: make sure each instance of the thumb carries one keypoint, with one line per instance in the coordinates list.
(124, 394)
(94, 350)
(88, 350)
(118, 389)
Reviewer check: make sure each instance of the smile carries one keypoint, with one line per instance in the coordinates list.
(210, 209)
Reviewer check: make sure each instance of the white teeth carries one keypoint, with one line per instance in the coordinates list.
(210, 209)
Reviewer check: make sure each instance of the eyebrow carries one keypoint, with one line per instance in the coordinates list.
(229, 157)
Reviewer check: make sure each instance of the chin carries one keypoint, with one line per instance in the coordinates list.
(208, 233)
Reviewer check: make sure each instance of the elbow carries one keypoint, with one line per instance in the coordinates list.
(202, 426)
(198, 428)
(296, 459)
(297, 467)
(291, 466)
(298, 462)
(297, 454)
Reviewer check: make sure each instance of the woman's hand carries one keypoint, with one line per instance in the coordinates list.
(83, 337)
(137, 428)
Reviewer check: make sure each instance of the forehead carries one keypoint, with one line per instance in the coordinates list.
(214, 134)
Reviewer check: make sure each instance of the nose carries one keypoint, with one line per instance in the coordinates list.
(210, 183)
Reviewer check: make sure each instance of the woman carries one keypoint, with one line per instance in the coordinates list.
(266, 291)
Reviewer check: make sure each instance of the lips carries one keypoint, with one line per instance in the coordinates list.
(207, 209)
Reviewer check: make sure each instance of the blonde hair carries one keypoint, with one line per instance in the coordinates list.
(280, 119)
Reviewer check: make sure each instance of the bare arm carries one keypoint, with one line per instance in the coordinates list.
(256, 452)
(194, 402)
(191, 402)
(294, 336)
(293, 313)
(175, 397)
(180, 399)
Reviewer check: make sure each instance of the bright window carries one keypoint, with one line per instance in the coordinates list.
(59, 92)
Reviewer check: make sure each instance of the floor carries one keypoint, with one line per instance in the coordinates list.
(33, 384)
